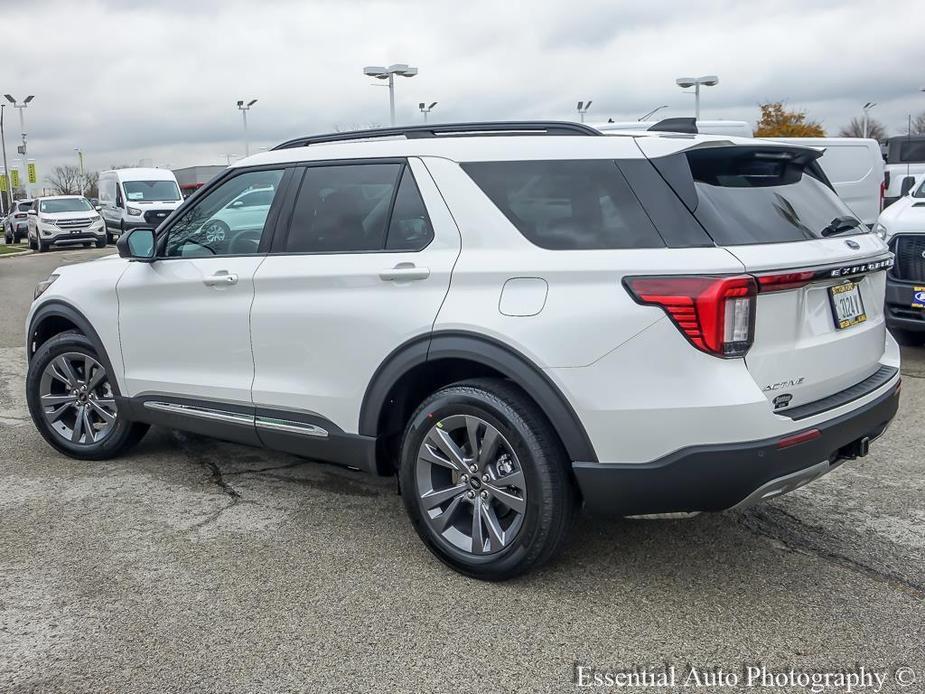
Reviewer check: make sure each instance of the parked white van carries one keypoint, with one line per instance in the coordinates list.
(854, 165)
(131, 198)
(735, 128)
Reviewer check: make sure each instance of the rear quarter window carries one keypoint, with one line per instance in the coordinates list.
(567, 205)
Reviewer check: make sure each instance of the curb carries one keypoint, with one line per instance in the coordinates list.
(25, 251)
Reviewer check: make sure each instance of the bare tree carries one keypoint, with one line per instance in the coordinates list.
(65, 180)
(855, 128)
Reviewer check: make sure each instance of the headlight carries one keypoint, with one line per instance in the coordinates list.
(881, 231)
(46, 220)
(43, 285)
(133, 211)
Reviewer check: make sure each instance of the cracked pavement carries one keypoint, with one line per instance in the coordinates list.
(196, 565)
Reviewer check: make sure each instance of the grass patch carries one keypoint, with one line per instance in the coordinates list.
(13, 248)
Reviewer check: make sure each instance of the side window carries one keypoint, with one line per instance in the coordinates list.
(410, 228)
(567, 205)
(342, 208)
(216, 226)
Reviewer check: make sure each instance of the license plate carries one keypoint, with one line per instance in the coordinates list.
(847, 307)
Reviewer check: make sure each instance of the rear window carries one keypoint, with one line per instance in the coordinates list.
(906, 150)
(747, 196)
(567, 205)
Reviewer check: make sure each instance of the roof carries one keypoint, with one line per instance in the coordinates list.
(494, 147)
(142, 173)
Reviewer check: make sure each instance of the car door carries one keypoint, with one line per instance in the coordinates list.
(183, 319)
(362, 267)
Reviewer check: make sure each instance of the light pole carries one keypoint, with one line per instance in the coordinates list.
(867, 107)
(388, 73)
(696, 82)
(22, 129)
(244, 108)
(652, 112)
(425, 109)
(6, 169)
(80, 157)
(583, 109)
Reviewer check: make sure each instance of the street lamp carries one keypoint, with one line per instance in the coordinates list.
(867, 107)
(80, 157)
(244, 108)
(388, 73)
(696, 82)
(583, 109)
(22, 129)
(426, 109)
(652, 112)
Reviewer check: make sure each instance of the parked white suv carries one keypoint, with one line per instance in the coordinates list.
(64, 220)
(515, 318)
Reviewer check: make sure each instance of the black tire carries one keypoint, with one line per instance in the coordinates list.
(31, 243)
(101, 243)
(550, 498)
(40, 245)
(124, 433)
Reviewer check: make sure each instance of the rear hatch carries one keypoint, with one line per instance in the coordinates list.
(818, 323)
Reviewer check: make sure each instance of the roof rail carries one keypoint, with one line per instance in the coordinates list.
(676, 125)
(449, 130)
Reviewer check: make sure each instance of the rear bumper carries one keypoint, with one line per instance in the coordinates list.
(714, 478)
(900, 312)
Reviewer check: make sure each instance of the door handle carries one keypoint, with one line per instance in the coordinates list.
(404, 272)
(222, 278)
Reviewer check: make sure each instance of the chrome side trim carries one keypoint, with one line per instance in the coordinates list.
(201, 412)
(303, 428)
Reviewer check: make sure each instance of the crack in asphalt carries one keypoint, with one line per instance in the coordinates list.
(777, 524)
(200, 456)
(267, 469)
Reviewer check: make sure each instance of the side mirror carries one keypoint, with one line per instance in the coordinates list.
(138, 244)
(907, 184)
(97, 207)
(34, 212)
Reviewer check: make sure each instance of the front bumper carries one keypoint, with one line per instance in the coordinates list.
(715, 478)
(66, 237)
(900, 312)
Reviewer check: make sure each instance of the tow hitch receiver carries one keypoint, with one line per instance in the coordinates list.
(856, 449)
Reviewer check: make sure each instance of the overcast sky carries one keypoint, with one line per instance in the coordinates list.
(158, 80)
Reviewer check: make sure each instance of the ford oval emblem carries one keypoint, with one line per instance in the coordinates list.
(920, 297)
(853, 244)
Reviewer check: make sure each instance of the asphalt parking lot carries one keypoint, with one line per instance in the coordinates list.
(194, 565)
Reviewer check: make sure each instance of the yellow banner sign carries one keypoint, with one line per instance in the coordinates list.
(14, 175)
(4, 185)
(31, 175)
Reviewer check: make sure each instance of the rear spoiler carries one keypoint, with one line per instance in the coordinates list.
(676, 125)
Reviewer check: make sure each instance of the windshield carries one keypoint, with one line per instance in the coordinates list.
(65, 205)
(748, 196)
(151, 191)
(920, 191)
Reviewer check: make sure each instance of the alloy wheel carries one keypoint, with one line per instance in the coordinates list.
(470, 485)
(77, 399)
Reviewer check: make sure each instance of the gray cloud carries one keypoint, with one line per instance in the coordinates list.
(129, 79)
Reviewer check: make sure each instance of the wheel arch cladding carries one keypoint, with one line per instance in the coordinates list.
(447, 357)
(55, 317)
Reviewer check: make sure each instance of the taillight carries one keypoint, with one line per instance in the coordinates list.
(784, 280)
(717, 314)
(883, 185)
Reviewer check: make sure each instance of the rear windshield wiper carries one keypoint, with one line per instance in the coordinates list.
(840, 225)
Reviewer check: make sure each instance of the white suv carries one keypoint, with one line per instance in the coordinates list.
(515, 318)
(64, 220)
